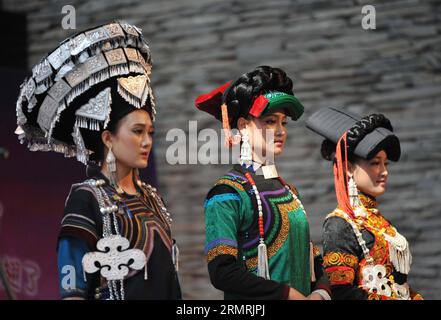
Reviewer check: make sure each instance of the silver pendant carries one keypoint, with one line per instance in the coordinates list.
(114, 258)
(374, 280)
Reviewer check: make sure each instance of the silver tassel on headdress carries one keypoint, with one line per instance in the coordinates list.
(95, 112)
(82, 153)
(262, 261)
(135, 90)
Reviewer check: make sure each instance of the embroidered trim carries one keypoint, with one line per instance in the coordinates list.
(218, 242)
(231, 183)
(220, 250)
(278, 242)
(340, 275)
(340, 259)
(221, 198)
(315, 251)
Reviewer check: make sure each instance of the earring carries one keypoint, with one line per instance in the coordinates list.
(353, 192)
(110, 160)
(111, 166)
(137, 178)
(245, 150)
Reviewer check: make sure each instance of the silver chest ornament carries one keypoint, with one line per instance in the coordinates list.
(374, 280)
(114, 258)
(374, 275)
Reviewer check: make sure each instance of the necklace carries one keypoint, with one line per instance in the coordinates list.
(262, 256)
(259, 201)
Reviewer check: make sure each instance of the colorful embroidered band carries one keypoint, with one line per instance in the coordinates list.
(275, 100)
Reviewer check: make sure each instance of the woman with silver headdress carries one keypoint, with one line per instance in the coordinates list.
(91, 99)
(365, 256)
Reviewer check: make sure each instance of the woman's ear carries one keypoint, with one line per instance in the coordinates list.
(351, 169)
(242, 123)
(106, 138)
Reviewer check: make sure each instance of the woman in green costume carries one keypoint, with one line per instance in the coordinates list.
(257, 232)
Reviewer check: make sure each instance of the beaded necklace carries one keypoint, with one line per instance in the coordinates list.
(262, 268)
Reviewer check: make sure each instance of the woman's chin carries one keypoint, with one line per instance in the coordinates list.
(376, 192)
(278, 151)
(142, 164)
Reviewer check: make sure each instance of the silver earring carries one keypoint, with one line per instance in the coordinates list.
(110, 160)
(111, 166)
(137, 178)
(245, 150)
(353, 193)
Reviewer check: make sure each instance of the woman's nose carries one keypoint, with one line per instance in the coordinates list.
(280, 130)
(147, 141)
(384, 171)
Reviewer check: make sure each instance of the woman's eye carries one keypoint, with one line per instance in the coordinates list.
(152, 133)
(284, 123)
(270, 122)
(375, 163)
(137, 131)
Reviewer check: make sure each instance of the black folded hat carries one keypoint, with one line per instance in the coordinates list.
(331, 123)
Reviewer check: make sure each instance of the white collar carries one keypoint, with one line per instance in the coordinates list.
(271, 173)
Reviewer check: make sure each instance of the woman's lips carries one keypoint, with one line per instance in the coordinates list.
(144, 154)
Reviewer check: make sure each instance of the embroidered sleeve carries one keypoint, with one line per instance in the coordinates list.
(340, 267)
(80, 217)
(78, 235)
(227, 272)
(320, 280)
(340, 261)
(222, 208)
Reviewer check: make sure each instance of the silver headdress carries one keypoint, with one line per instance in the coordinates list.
(116, 50)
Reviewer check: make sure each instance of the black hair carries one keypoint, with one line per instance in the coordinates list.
(355, 134)
(242, 92)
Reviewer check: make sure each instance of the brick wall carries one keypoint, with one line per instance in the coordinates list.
(196, 45)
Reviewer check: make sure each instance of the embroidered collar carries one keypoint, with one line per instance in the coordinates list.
(368, 202)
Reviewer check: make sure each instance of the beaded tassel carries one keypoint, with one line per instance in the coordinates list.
(262, 253)
(262, 260)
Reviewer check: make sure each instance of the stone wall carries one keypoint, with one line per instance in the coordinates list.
(199, 44)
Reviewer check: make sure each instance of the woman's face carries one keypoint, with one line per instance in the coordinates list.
(370, 176)
(267, 135)
(132, 142)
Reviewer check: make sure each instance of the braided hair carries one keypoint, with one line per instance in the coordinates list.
(241, 94)
(355, 134)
